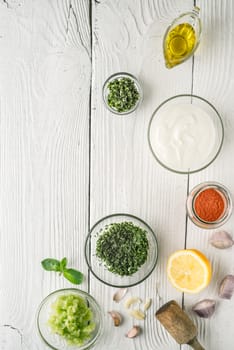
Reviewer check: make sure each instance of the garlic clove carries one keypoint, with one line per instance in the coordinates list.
(226, 287)
(117, 318)
(137, 314)
(204, 308)
(131, 301)
(119, 294)
(147, 304)
(221, 240)
(132, 333)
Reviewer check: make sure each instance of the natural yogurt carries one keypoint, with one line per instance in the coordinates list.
(183, 137)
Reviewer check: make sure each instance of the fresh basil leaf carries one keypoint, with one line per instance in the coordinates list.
(74, 276)
(51, 264)
(63, 264)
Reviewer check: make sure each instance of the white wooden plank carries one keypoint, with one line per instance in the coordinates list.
(44, 155)
(44, 111)
(213, 80)
(127, 36)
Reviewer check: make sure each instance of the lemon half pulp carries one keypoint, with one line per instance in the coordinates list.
(189, 270)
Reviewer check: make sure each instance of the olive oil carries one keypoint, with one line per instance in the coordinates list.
(182, 38)
(179, 44)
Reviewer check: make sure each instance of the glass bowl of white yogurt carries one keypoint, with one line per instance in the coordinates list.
(185, 134)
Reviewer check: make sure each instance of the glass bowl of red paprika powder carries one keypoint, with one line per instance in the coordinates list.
(209, 205)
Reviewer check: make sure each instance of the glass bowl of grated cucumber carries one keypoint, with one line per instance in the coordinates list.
(69, 319)
(121, 250)
(122, 93)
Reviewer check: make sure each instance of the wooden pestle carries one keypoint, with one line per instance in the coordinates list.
(178, 324)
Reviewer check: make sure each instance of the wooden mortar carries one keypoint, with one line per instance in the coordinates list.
(178, 324)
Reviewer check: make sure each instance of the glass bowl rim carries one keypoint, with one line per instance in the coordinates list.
(221, 129)
(123, 285)
(80, 292)
(194, 192)
(137, 84)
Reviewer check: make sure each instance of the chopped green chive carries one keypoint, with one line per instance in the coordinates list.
(123, 247)
(122, 94)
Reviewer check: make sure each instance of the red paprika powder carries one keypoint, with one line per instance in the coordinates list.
(209, 205)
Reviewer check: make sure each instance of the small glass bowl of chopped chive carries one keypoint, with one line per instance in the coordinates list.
(69, 319)
(122, 93)
(121, 250)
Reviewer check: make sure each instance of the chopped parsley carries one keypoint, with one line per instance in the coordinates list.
(123, 247)
(123, 94)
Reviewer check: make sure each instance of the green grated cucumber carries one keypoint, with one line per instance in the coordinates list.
(72, 319)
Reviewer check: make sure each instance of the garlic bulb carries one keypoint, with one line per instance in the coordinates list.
(204, 308)
(119, 294)
(137, 314)
(221, 240)
(133, 332)
(226, 288)
(147, 304)
(117, 318)
(131, 301)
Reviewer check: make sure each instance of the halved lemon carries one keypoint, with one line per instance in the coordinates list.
(189, 270)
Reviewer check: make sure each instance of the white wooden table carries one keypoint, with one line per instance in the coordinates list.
(66, 161)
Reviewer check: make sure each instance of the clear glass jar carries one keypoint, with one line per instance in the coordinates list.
(118, 77)
(222, 192)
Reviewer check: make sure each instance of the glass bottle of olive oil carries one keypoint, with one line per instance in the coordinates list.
(182, 38)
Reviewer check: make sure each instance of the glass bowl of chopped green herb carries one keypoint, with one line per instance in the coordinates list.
(69, 319)
(121, 250)
(122, 93)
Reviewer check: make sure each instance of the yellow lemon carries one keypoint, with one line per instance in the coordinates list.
(189, 270)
